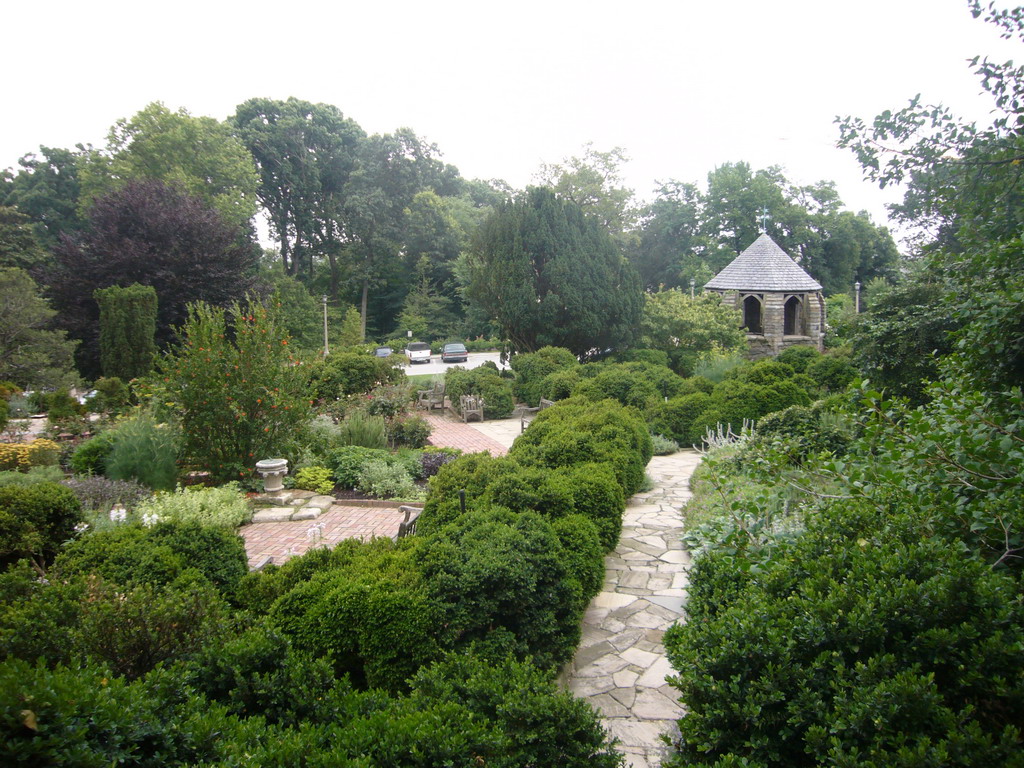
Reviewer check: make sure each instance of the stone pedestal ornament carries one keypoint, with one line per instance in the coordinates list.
(273, 472)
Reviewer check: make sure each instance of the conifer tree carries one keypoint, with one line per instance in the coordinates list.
(127, 330)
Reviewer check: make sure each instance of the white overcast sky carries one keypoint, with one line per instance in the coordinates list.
(502, 87)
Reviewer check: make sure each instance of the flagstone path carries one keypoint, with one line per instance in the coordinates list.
(620, 665)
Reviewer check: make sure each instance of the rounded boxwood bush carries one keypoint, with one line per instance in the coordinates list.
(799, 357)
(532, 368)
(36, 520)
(90, 458)
(832, 373)
(577, 431)
(675, 418)
(559, 385)
(129, 555)
(617, 382)
(597, 495)
(493, 571)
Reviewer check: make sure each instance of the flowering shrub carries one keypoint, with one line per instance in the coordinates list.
(100, 494)
(238, 400)
(22, 456)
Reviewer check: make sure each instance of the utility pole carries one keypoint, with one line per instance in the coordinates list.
(326, 349)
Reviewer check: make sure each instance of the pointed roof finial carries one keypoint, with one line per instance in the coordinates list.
(763, 221)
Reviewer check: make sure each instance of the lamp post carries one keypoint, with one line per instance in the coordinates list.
(326, 349)
(693, 285)
(856, 297)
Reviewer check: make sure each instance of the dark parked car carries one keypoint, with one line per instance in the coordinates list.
(454, 353)
(383, 352)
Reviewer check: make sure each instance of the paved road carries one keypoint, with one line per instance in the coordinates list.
(436, 366)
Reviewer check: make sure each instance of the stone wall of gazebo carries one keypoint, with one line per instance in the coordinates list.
(773, 340)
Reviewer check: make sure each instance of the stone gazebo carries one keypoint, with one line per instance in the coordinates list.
(782, 305)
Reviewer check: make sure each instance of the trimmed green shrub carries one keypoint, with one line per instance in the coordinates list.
(539, 724)
(36, 520)
(845, 648)
(261, 672)
(135, 630)
(532, 368)
(478, 571)
(696, 384)
(127, 330)
(130, 555)
(350, 373)
(144, 451)
(616, 382)
(799, 357)
(597, 495)
(832, 373)
(675, 418)
(767, 372)
(583, 556)
(223, 506)
(37, 617)
(86, 718)
(560, 384)
(348, 460)
(577, 431)
(376, 629)
(90, 457)
(650, 356)
(316, 479)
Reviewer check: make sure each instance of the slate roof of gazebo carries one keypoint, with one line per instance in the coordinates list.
(763, 266)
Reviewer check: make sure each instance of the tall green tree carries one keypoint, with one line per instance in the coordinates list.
(198, 154)
(19, 246)
(149, 233)
(127, 330)
(305, 154)
(32, 353)
(550, 276)
(593, 181)
(47, 190)
(670, 240)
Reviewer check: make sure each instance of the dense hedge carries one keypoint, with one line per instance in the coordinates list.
(484, 382)
(578, 431)
(842, 650)
(532, 368)
(349, 373)
(130, 555)
(36, 520)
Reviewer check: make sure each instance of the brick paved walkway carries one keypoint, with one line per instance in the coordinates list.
(446, 432)
(283, 540)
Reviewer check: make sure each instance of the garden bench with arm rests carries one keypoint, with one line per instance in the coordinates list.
(471, 405)
(431, 398)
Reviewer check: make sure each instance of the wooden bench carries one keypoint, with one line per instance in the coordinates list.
(408, 526)
(524, 422)
(471, 405)
(431, 398)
